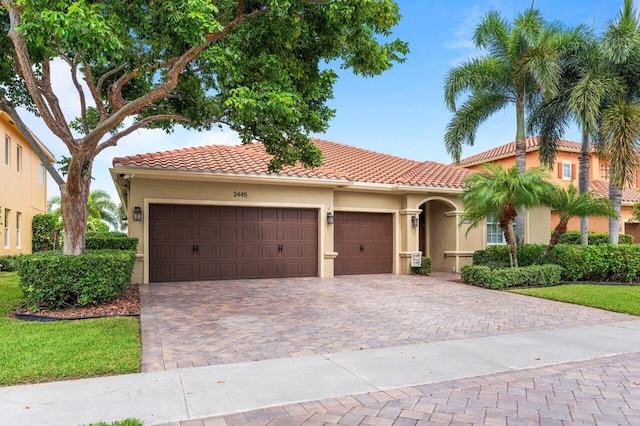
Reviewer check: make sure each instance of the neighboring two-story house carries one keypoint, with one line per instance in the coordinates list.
(23, 192)
(566, 171)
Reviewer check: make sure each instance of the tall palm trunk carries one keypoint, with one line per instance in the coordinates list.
(583, 183)
(521, 162)
(615, 195)
(506, 224)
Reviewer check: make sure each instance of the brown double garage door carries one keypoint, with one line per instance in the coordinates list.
(190, 243)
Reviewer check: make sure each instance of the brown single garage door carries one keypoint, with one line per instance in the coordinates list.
(214, 242)
(364, 242)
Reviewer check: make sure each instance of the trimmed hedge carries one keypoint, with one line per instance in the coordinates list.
(483, 276)
(497, 256)
(598, 263)
(8, 263)
(110, 241)
(55, 280)
(425, 267)
(574, 237)
(46, 232)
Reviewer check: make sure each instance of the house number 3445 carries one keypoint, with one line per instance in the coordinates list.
(240, 194)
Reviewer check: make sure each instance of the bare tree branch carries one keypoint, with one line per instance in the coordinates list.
(74, 77)
(95, 91)
(113, 141)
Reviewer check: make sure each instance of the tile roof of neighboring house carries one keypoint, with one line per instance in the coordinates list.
(629, 195)
(340, 162)
(509, 150)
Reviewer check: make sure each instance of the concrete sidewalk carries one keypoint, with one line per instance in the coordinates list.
(196, 393)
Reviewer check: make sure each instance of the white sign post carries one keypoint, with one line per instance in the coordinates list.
(416, 259)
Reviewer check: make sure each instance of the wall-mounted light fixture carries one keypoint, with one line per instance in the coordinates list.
(415, 221)
(330, 218)
(137, 213)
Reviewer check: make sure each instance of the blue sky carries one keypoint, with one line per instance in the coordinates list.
(401, 112)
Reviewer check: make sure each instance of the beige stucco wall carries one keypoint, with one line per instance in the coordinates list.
(20, 192)
(446, 241)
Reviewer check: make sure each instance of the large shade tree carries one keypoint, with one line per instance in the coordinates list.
(520, 65)
(501, 192)
(253, 65)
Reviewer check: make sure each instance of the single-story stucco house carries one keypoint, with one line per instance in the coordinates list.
(215, 212)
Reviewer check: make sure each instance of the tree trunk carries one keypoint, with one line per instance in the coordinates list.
(583, 183)
(521, 162)
(615, 196)
(73, 204)
(559, 230)
(506, 224)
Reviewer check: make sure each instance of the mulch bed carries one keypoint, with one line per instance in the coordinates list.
(126, 304)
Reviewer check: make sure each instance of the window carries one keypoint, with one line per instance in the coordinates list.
(566, 170)
(7, 149)
(18, 218)
(494, 232)
(604, 171)
(7, 213)
(18, 158)
(43, 174)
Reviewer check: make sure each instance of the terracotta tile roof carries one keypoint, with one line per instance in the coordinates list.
(509, 150)
(629, 195)
(430, 173)
(340, 162)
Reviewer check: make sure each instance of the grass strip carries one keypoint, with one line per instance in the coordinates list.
(616, 298)
(32, 352)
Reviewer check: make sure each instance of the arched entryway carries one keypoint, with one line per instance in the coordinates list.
(439, 232)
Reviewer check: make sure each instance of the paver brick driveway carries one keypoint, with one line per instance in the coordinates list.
(205, 323)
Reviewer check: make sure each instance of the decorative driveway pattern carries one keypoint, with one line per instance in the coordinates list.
(603, 391)
(205, 323)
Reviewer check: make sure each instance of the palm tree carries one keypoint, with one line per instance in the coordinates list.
(502, 192)
(521, 65)
(620, 122)
(99, 206)
(569, 203)
(587, 84)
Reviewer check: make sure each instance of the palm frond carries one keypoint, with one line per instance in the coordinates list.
(462, 128)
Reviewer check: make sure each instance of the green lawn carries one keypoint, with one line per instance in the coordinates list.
(617, 298)
(47, 351)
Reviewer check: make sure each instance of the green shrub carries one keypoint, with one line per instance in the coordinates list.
(574, 237)
(110, 241)
(497, 256)
(425, 267)
(55, 280)
(598, 263)
(483, 276)
(8, 263)
(46, 232)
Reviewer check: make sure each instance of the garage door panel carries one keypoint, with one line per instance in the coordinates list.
(228, 251)
(233, 242)
(160, 232)
(364, 242)
(182, 252)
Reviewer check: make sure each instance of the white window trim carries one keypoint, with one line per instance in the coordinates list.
(19, 158)
(43, 174)
(492, 221)
(564, 164)
(7, 233)
(18, 234)
(7, 150)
